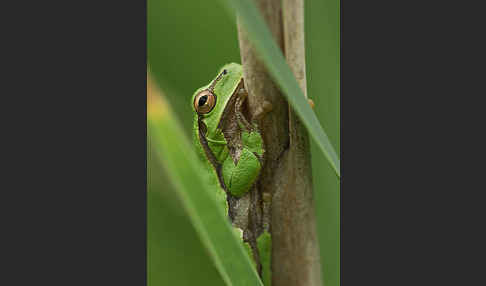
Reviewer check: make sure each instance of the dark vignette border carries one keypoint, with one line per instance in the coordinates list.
(409, 215)
(74, 190)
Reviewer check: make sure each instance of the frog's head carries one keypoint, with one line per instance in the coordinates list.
(209, 101)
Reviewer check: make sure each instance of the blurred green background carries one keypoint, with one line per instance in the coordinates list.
(187, 42)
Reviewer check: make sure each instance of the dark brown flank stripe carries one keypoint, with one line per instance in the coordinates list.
(209, 153)
(216, 165)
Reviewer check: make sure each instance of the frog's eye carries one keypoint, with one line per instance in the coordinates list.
(204, 102)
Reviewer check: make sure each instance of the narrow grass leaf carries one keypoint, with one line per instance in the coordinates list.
(176, 153)
(271, 55)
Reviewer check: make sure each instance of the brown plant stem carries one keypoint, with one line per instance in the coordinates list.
(287, 174)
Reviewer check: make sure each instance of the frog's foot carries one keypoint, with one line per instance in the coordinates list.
(254, 143)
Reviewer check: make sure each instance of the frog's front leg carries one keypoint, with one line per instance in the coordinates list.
(242, 95)
(240, 176)
(260, 112)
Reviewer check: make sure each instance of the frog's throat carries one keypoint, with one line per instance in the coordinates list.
(230, 103)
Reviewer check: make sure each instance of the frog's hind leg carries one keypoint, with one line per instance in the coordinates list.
(239, 177)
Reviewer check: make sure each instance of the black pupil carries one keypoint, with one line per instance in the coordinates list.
(202, 100)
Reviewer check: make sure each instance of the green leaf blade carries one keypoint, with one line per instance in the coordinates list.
(177, 155)
(262, 39)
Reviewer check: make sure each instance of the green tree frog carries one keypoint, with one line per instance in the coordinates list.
(231, 147)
